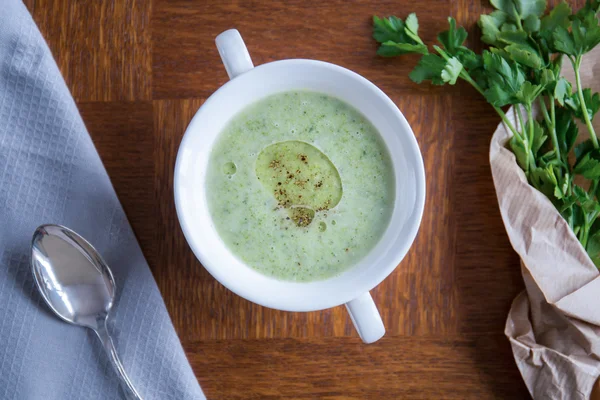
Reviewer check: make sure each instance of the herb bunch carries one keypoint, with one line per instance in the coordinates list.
(522, 68)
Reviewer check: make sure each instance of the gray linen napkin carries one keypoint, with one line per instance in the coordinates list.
(50, 172)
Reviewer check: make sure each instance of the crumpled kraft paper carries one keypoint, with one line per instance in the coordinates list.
(554, 325)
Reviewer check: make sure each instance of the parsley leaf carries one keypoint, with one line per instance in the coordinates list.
(504, 80)
(429, 68)
(544, 180)
(589, 165)
(397, 37)
(539, 136)
(532, 24)
(566, 130)
(562, 90)
(586, 202)
(592, 102)
(520, 151)
(593, 248)
(412, 28)
(388, 29)
(559, 16)
(451, 71)
(453, 38)
(490, 26)
(390, 49)
(452, 41)
(525, 55)
(584, 36)
(506, 6)
(530, 8)
(583, 148)
(528, 92)
(512, 15)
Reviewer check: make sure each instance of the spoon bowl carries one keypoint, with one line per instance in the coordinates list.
(78, 286)
(82, 289)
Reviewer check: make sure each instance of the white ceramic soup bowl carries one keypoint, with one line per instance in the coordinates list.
(249, 84)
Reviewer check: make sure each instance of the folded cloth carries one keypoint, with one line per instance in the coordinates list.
(50, 172)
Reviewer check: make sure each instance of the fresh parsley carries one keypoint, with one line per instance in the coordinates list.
(522, 68)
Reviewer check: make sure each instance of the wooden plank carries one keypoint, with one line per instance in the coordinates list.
(123, 135)
(102, 48)
(343, 368)
(186, 62)
(488, 273)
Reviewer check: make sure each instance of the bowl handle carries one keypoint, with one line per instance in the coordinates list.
(366, 318)
(234, 53)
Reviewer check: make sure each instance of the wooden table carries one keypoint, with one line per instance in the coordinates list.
(140, 69)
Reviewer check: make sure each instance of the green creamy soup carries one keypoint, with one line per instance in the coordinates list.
(300, 186)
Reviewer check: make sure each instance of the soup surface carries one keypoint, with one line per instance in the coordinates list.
(300, 186)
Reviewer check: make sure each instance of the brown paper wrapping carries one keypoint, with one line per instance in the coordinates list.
(554, 325)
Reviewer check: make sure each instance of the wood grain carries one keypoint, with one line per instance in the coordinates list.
(343, 368)
(337, 31)
(139, 70)
(488, 272)
(123, 134)
(103, 48)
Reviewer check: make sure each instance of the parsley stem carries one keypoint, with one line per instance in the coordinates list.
(520, 115)
(530, 121)
(553, 122)
(589, 220)
(550, 122)
(526, 142)
(507, 122)
(584, 111)
(544, 110)
(529, 154)
(465, 75)
(442, 53)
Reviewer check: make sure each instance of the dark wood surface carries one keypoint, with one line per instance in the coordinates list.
(140, 69)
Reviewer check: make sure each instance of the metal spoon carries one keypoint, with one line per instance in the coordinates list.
(77, 285)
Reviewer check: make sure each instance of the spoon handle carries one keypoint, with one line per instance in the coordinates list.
(107, 343)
